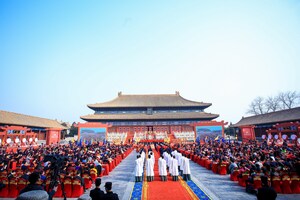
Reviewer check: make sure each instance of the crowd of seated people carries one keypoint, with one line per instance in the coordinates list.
(79, 166)
(248, 162)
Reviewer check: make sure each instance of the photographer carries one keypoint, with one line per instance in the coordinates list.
(33, 178)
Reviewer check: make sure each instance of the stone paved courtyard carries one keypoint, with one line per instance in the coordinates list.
(216, 186)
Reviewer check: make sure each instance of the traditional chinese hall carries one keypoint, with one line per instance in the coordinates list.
(150, 118)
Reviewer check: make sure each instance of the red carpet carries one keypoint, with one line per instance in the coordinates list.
(166, 190)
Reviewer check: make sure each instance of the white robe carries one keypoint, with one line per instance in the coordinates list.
(138, 167)
(143, 156)
(172, 153)
(170, 165)
(159, 166)
(169, 160)
(153, 159)
(162, 168)
(149, 167)
(182, 163)
(165, 154)
(186, 166)
(177, 155)
(180, 160)
(174, 167)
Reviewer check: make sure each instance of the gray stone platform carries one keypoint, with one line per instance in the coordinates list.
(214, 185)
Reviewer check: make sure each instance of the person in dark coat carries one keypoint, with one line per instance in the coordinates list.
(33, 178)
(26, 176)
(266, 192)
(109, 194)
(97, 193)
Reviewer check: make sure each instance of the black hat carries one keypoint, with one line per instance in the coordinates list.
(98, 181)
(264, 180)
(108, 185)
(33, 177)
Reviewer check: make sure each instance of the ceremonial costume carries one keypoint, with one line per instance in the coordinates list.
(186, 169)
(162, 167)
(174, 169)
(138, 169)
(149, 169)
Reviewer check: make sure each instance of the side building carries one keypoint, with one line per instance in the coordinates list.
(19, 129)
(283, 124)
(153, 117)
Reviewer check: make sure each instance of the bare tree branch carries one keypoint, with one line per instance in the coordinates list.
(272, 104)
(257, 106)
(288, 99)
(281, 97)
(284, 100)
(252, 109)
(260, 104)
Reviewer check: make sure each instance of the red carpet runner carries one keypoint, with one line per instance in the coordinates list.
(169, 190)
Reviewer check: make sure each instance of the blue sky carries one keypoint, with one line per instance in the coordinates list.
(58, 56)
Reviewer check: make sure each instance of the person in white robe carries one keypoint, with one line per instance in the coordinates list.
(170, 164)
(165, 154)
(149, 169)
(177, 154)
(186, 169)
(143, 156)
(173, 153)
(152, 158)
(159, 165)
(168, 160)
(162, 168)
(180, 164)
(174, 169)
(138, 169)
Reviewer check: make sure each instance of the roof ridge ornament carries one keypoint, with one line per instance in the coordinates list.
(119, 93)
(177, 93)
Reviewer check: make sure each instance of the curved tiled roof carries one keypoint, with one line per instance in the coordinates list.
(153, 100)
(154, 116)
(11, 118)
(292, 114)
